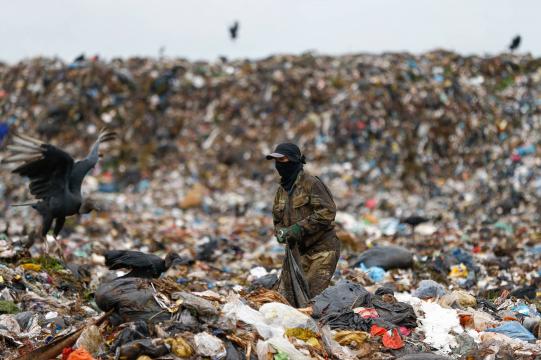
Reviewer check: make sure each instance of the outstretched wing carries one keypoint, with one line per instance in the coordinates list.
(82, 167)
(47, 166)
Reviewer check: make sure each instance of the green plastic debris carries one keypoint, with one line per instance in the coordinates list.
(281, 356)
(504, 226)
(8, 307)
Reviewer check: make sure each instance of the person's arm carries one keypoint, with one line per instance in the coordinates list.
(323, 211)
(277, 213)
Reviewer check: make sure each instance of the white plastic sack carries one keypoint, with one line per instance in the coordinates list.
(437, 322)
(237, 310)
(209, 345)
(285, 316)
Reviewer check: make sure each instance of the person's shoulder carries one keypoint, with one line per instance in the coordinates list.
(309, 179)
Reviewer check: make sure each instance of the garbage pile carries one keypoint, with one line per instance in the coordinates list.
(431, 160)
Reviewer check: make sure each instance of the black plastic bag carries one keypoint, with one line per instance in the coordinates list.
(292, 282)
(150, 347)
(345, 295)
(386, 257)
(131, 299)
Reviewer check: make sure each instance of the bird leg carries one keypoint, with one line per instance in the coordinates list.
(59, 224)
(59, 249)
(45, 244)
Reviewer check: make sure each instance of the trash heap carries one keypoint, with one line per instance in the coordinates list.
(450, 138)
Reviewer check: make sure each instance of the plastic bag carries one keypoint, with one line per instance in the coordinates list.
(267, 281)
(151, 347)
(201, 306)
(285, 316)
(285, 347)
(90, 340)
(237, 310)
(337, 298)
(429, 289)
(513, 329)
(209, 345)
(132, 299)
(392, 339)
(386, 257)
(292, 282)
(460, 298)
(339, 351)
(80, 354)
(135, 331)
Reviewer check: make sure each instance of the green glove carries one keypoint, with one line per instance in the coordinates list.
(290, 234)
(280, 235)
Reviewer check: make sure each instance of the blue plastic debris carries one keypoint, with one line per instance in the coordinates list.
(4, 129)
(522, 309)
(375, 273)
(514, 330)
(526, 150)
(429, 289)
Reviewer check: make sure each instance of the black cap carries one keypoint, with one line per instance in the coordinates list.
(289, 150)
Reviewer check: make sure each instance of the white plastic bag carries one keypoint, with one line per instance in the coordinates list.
(209, 345)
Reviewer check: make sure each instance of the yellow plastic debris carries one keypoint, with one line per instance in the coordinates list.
(180, 347)
(32, 267)
(313, 342)
(459, 271)
(144, 357)
(300, 333)
(352, 339)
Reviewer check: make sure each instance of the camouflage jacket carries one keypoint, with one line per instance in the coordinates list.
(312, 207)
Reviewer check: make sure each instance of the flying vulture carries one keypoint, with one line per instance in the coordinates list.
(515, 43)
(233, 30)
(55, 178)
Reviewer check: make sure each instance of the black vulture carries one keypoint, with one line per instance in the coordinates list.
(233, 30)
(515, 43)
(141, 265)
(414, 221)
(55, 178)
(80, 58)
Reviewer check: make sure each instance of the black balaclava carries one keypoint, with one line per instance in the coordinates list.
(291, 169)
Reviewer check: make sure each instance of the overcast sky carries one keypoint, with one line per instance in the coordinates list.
(197, 29)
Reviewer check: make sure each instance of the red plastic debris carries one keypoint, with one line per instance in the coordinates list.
(66, 352)
(80, 354)
(404, 330)
(392, 339)
(371, 204)
(367, 313)
(377, 330)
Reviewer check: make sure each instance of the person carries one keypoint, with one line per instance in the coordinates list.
(303, 214)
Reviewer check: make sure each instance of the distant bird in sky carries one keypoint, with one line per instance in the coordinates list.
(55, 178)
(141, 265)
(515, 43)
(233, 30)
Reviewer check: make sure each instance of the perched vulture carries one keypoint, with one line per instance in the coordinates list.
(414, 220)
(55, 178)
(141, 265)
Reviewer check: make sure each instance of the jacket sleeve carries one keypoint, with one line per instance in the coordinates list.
(277, 210)
(323, 211)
